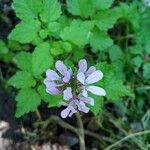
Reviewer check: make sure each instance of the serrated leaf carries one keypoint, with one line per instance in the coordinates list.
(115, 89)
(51, 11)
(3, 48)
(53, 101)
(98, 106)
(44, 95)
(106, 19)
(83, 8)
(27, 101)
(102, 5)
(100, 41)
(41, 59)
(137, 61)
(115, 53)
(22, 79)
(56, 48)
(76, 33)
(86, 8)
(146, 71)
(130, 13)
(27, 9)
(23, 61)
(25, 32)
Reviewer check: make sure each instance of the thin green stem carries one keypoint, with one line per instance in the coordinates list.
(81, 132)
(126, 138)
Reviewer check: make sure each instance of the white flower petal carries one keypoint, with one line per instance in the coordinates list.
(67, 77)
(81, 77)
(82, 107)
(52, 75)
(96, 90)
(72, 111)
(53, 90)
(88, 100)
(94, 77)
(68, 93)
(61, 67)
(90, 70)
(65, 112)
(82, 65)
(85, 93)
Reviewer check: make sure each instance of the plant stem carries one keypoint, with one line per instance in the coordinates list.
(126, 138)
(81, 132)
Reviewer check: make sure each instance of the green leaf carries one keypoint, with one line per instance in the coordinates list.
(101, 4)
(22, 79)
(41, 59)
(53, 101)
(76, 33)
(3, 48)
(130, 14)
(86, 8)
(146, 71)
(115, 53)
(137, 61)
(83, 8)
(51, 11)
(23, 61)
(98, 106)
(136, 49)
(44, 95)
(27, 101)
(106, 19)
(25, 32)
(115, 89)
(53, 27)
(100, 41)
(27, 9)
(56, 48)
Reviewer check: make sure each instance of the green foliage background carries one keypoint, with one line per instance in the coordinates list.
(113, 35)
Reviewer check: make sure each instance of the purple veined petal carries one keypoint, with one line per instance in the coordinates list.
(50, 84)
(85, 93)
(53, 91)
(81, 77)
(88, 100)
(96, 90)
(82, 107)
(70, 71)
(68, 93)
(64, 113)
(73, 110)
(90, 70)
(61, 67)
(82, 65)
(94, 77)
(52, 75)
(67, 77)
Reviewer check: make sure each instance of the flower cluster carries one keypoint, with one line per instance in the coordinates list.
(75, 87)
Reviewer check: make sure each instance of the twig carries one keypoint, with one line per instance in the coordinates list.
(126, 138)
(62, 123)
(38, 114)
(98, 137)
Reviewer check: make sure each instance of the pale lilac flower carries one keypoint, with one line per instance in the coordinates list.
(74, 103)
(87, 77)
(55, 81)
